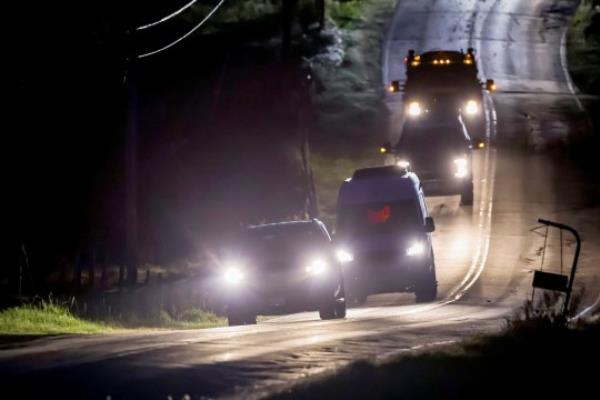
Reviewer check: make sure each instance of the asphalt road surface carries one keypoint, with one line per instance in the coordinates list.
(485, 254)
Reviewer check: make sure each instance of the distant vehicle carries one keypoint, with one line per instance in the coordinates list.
(283, 267)
(383, 234)
(440, 153)
(446, 79)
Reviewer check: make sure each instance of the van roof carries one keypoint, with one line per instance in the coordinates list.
(379, 184)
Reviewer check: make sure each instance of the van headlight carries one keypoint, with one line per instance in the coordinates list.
(414, 109)
(472, 107)
(316, 267)
(344, 256)
(234, 275)
(461, 167)
(415, 249)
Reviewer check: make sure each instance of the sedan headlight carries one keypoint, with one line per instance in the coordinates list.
(472, 107)
(316, 267)
(415, 249)
(234, 275)
(344, 256)
(461, 167)
(414, 109)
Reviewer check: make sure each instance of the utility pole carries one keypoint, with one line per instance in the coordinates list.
(288, 8)
(131, 160)
(320, 6)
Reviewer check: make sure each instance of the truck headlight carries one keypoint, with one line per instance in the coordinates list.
(414, 109)
(415, 249)
(472, 107)
(316, 267)
(404, 164)
(461, 168)
(233, 275)
(344, 256)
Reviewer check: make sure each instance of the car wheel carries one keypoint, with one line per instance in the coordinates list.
(466, 197)
(240, 317)
(426, 288)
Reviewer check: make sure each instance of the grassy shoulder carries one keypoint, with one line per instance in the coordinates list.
(528, 359)
(351, 118)
(49, 318)
(583, 47)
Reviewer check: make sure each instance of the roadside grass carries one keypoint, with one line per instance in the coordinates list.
(537, 358)
(47, 318)
(583, 47)
(53, 318)
(193, 318)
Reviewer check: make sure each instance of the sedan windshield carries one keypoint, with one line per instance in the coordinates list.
(281, 246)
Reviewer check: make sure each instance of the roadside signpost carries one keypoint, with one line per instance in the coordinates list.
(558, 282)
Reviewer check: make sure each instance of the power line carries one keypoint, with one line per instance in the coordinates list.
(202, 22)
(168, 17)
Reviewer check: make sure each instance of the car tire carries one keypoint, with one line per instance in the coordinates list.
(466, 197)
(237, 317)
(426, 289)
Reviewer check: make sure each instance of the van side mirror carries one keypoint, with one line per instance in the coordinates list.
(490, 85)
(429, 225)
(394, 87)
(385, 148)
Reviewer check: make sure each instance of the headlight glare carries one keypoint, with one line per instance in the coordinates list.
(344, 256)
(461, 169)
(416, 248)
(316, 267)
(404, 164)
(234, 275)
(472, 107)
(414, 109)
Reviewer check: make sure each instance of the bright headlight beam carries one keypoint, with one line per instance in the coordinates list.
(414, 109)
(415, 249)
(233, 275)
(344, 256)
(404, 164)
(317, 267)
(461, 169)
(472, 107)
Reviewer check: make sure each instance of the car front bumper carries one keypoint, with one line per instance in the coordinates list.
(275, 298)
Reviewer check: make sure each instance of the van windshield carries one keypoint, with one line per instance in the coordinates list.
(379, 218)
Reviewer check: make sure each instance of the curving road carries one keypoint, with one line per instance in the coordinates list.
(485, 253)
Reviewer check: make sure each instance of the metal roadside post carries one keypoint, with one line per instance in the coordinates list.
(553, 281)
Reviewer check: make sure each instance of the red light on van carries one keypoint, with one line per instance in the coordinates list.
(380, 216)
